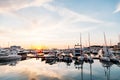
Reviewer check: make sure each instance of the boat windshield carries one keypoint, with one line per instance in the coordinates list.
(77, 51)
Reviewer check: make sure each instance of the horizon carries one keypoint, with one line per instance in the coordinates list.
(58, 23)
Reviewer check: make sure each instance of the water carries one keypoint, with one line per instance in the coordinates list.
(33, 69)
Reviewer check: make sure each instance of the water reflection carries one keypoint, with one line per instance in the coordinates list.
(53, 69)
(53, 60)
(79, 65)
(50, 61)
(10, 63)
(90, 71)
(107, 66)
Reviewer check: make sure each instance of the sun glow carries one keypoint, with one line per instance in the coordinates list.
(39, 47)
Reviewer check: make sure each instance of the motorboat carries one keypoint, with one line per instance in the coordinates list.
(8, 55)
(77, 50)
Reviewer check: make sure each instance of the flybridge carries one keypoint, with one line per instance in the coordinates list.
(77, 50)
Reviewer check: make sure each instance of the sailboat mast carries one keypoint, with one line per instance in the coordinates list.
(80, 43)
(105, 40)
(89, 43)
(89, 39)
(80, 39)
(106, 45)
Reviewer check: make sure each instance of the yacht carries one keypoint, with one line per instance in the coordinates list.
(8, 55)
(78, 53)
(77, 50)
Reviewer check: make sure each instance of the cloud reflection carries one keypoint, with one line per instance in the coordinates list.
(36, 70)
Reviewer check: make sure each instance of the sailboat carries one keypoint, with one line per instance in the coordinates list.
(106, 54)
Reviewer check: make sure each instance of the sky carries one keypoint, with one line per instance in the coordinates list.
(58, 23)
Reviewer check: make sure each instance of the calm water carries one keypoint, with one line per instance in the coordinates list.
(33, 69)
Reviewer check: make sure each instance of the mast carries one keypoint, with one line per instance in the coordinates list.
(89, 39)
(89, 43)
(105, 40)
(106, 48)
(90, 56)
(80, 43)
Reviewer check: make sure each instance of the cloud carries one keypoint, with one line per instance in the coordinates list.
(46, 27)
(71, 15)
(68, 16)
(117, 9)
(37, 30)
(40, 71)
(13, 5)
(3, 31)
